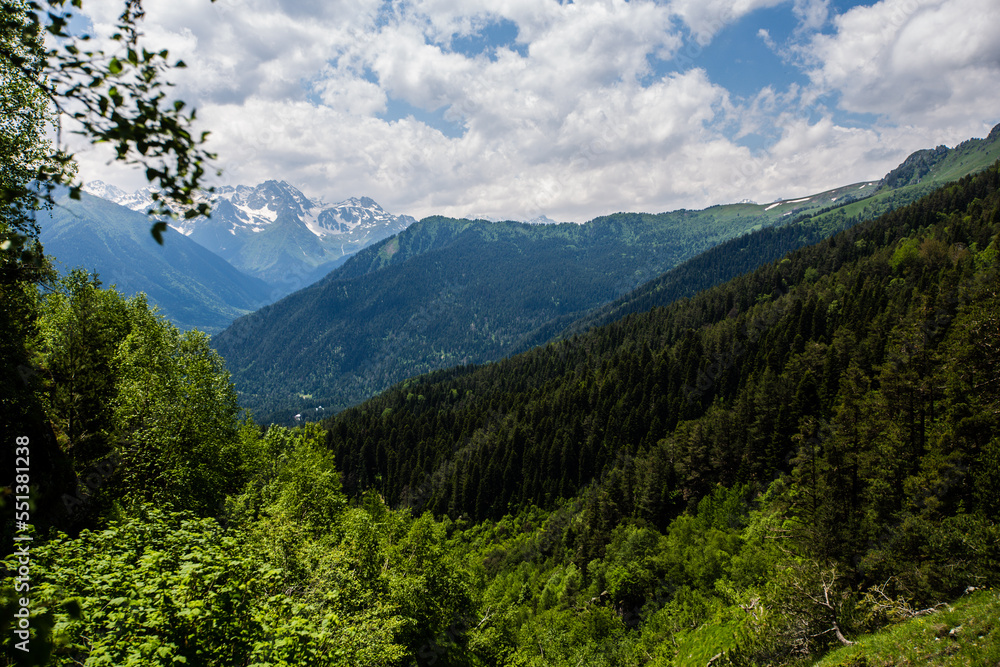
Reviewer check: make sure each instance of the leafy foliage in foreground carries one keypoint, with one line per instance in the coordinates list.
(117, 98)
(310, 581)
(179, 535)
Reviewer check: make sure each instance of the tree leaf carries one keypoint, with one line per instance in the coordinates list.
(157, 231)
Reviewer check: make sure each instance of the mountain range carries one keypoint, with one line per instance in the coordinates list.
(446, 292)
(273, 232)
(451, 292)
(792, 444)
(727, 377)
(918, 175)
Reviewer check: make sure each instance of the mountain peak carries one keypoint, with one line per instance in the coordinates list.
(273, 231)
(362, 202)
(141, 200)
(103, 190)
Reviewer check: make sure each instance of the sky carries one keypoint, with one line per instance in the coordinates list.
(515, 109)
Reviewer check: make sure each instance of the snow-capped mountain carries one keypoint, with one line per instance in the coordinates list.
(354, 216)
(140, 200)
(273, 231)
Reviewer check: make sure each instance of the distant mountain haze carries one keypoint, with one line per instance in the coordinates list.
(192, 286)
(261, 243)
(272, 231)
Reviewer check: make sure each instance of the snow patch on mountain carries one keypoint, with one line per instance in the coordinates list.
(140, 200)
(538, 220)
(354, 215)
(255, 209)
(273, 231)
(543, 220)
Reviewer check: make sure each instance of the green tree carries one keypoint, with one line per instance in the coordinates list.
(48, 76)
(156, 589)
(80, 329)
(176, 412)
(25, 149)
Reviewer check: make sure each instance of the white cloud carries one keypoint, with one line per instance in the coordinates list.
(241, 48)
(342, 91)
(707, 17)
(812, 14)
(919, 62)
(422, 74)
(616, 145)
(570, 120)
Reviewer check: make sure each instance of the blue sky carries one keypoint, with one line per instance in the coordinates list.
(520, 108)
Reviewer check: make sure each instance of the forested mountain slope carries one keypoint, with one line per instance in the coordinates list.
(918, 175)
(777, 466)
(446, 292)
(750, 476)
(449, 292)
(192, 286)
(715, 389)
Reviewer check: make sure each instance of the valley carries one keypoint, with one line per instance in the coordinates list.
(786, 463)
(751, 434)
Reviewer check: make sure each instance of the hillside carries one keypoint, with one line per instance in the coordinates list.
(966, 633)
(783, 334)
(193, 287)
(447, 292)
(919, 174)
(932, 167)
(846, 396)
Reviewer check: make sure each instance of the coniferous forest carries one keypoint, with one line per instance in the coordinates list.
(797, 466)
